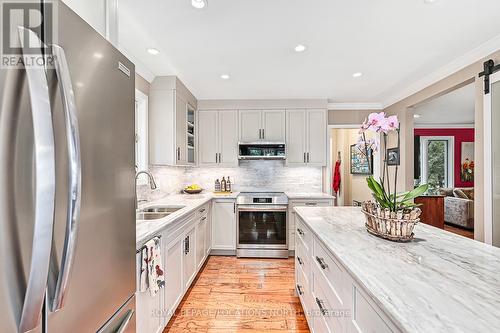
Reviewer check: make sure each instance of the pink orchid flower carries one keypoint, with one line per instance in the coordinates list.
(375, 120)
(393, 123)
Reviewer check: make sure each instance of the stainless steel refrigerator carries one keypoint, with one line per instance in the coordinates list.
(67, 214)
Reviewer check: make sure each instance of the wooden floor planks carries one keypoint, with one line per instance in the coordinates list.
(241, 295)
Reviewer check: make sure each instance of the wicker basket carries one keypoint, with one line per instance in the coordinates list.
(397, 227)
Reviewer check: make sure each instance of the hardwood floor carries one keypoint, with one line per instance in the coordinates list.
(459, 231)
(241, 295)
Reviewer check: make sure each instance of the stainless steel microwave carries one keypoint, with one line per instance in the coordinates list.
(262, 151)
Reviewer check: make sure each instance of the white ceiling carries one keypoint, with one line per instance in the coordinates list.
(454, 108)
(394, 43)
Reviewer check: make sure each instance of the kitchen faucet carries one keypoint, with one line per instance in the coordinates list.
(152, 183)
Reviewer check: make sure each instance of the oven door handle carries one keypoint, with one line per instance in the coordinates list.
(262, 208)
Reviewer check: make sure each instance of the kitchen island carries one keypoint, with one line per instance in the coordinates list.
(440, 282)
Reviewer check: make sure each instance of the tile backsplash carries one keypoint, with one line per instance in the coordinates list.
(248, 176)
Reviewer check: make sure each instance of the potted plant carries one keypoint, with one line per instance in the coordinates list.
(391, 215)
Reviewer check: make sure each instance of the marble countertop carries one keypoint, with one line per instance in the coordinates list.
(297, 196)
(147, 229)
(440, 282)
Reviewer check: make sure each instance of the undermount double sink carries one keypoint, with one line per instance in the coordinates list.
(156, 212)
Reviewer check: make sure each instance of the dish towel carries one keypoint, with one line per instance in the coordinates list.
(152, 274)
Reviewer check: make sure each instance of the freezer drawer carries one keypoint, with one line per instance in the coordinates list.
(123, 321)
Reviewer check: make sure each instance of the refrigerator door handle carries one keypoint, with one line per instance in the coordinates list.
(125, 321)
(74, 178)
(45, 185)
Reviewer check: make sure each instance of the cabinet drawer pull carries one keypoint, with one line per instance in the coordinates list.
(311, 203)
(300, 231)
(321, 262)
(203, 218)
(300, 261)
(202, 210)
(321, 306)
(299, 290)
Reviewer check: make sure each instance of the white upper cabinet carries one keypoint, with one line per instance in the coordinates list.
(250, 125)
(208, 137)
(172, 115)
(273, 125)
(316, 137)
(267, 125)
(228, 134)
(296, 137)
(306, 137)
(218, 137)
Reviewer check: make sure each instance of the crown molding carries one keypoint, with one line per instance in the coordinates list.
(355, 106)
(477, 54)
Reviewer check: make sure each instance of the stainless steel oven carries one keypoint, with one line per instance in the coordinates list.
(262, 227)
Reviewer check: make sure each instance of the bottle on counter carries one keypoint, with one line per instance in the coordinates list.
(217, 185)
(223, 185)
(228, 185)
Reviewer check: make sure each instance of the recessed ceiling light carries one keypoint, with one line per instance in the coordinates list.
(225, 76)
(358, 74)
(300, 48)
(430, 1)
(153, 51)
(416, 116)
(199, 4)
(98, 55)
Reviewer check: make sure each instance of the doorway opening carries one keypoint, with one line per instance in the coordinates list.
(349, 186)
(444, 158)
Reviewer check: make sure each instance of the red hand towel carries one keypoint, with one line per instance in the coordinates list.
(336, 177)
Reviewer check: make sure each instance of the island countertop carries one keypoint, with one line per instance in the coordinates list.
(440, 282)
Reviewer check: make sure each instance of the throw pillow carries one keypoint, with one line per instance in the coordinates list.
(459, 194)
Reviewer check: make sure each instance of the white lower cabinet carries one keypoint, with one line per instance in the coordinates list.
(189, 256)
(332, 300)
(174, 275)
(224, 225)
(185, 248)
(291, 215)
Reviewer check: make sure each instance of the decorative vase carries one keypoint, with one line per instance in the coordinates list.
(394, 226)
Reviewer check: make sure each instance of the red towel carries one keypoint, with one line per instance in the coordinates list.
(336, 177)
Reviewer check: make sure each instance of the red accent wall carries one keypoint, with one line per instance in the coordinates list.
(460, 135)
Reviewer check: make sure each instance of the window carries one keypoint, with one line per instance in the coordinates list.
(437, 161)
(141, 134)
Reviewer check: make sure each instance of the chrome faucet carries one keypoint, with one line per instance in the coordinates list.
(152, 183)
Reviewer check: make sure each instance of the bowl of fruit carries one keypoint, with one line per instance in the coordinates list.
(193, 189)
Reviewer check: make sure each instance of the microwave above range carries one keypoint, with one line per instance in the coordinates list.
(262, 151)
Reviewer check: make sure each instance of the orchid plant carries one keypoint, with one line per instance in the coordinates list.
(381, 190)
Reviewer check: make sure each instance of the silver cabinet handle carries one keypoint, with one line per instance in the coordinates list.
(263, 133)
(311, 203)
(321, 262)
(299, 290)
(216, 157)
(300, 261)
(203, 218)
(305, 158)
(125, 321)
(321, 306)
(45, 188)
(178, 153)
(300, 231)
(202, 210)
(74, 179)
(308, 159)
